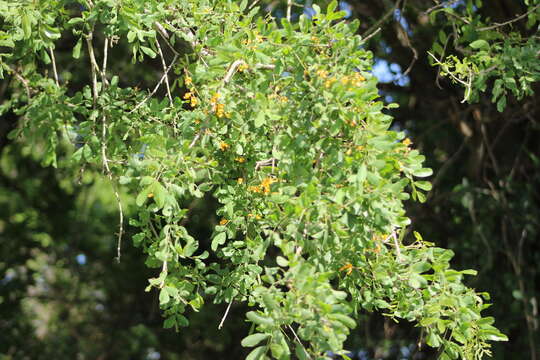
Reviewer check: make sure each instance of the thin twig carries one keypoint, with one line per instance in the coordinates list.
(398, 251)
(298, 339)
(157, 85)
(371, 35)
(165, 35)
(53, 60)
(93, 65)
(225, 315)
(381, 20)
(24, 82)
(195, 140)
(496, 25)
(164, 65)
(253, 4)
(407, 42)
(115, 190)
(444, 4)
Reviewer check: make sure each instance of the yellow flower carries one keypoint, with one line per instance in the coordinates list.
(255, 188)
(223, 222)
(220, 110)
(188, 81)
(329, 82)
(240, 159)
(194, 101)
(223, 146)
(243, 67)
(407, 142)
(265, 184)
(150, 195)
(214, 98)
(187, 95)
(359, 148)
(240, 181)
(322, 73)
(347, 267)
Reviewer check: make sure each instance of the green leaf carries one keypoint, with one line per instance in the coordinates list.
(258, 319)
(148, 51)
(218, 240)
(257, 353)
(281, 261)
(424, 172)
(260, 119)
(26, 25)
(424, 185)
(163, 296)
(77, 49)
(254, 339)
(480, 44)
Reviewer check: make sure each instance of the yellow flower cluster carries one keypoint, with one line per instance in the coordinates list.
(217, 107)
(240, 181)
(243, 67)
(256, 216)
(190, 95)
(347, 267)
(240, 159)
(223, 222)
(193, 101)
(223, 146)
(264, 187)
(323, 74)
(354, 80)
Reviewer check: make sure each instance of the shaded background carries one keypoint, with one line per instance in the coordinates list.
(62, 294)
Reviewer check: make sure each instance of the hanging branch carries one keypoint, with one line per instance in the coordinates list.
(53, 61)
(164, 65)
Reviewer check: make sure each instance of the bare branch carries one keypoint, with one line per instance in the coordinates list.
(157, 85)
(105, 59)
(164, 65)
(225, 315)
(93, 65)
(232, 69)
(53, 60)
(496, 25)
(373, 28)
(289, 6)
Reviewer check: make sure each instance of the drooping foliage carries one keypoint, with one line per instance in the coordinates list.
(279, 122)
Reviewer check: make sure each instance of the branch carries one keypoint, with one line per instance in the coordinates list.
(24, 82)
(371, 30)
(53, 60)
(93, 65)
(157, 86)
(164, 71)
(509, 21)
(431, 9)
(297, 339)
(232, 70)
(115, 190)
(225, 315)
(289, 6)
(105, 59)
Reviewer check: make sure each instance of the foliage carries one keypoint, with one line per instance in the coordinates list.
(281, 123)
(487, 53)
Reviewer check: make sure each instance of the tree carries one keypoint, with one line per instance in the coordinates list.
(258, 117)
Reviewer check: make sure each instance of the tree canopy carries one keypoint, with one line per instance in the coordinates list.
(251, 154)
